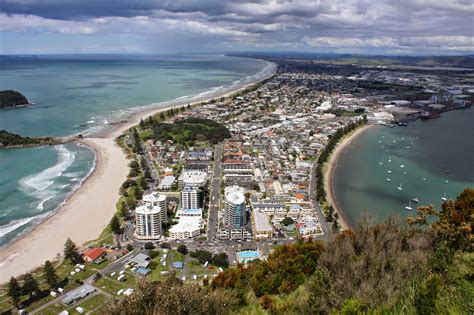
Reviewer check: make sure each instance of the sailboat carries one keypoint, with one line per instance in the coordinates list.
(444, 197)
(400, 187)
(409, 206)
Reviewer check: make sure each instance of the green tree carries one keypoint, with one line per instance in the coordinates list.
(123, 209)
(287, 221)
(71, 252)
(182, 249)
(115, 225)
(149, 245)
(426, 296)
(319, 286)
(50, 275)
(30, 285)
(220, 260)
(14, 291)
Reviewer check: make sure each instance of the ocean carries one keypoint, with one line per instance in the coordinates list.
(427, 160)
(80, 94)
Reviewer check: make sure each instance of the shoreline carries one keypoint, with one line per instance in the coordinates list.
(341, 146)
(82, 216)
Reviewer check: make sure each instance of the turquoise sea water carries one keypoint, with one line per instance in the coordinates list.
(436, 158)
(81, 94)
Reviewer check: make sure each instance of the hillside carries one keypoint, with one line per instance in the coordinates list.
(8, 139)
(386, 268)
(10, 98)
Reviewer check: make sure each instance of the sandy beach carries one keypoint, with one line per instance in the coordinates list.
(88, 211)
(329, 175)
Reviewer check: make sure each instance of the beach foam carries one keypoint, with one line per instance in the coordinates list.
(14, 225)
(41, 181)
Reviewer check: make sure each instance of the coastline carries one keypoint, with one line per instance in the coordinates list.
(346, 141)
(89, 209)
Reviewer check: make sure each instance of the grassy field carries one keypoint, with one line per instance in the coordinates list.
(112, 286)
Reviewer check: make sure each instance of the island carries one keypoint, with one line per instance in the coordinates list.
(10, 98)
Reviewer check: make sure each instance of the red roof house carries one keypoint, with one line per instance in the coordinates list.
(94, 255)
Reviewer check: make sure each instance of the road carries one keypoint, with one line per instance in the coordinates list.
(312, 196)
(214, 194)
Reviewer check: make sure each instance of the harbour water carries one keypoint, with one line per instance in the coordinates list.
(426, 160)
(81, 95)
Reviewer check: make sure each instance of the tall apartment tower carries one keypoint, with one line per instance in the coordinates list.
(150, 216)
(191, 198)
(235, 209)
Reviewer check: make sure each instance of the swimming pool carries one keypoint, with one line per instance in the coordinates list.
(248, 255)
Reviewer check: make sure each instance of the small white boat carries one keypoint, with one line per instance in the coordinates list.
(390, 159)
(380, 141)
(402, 166)
(388, 180)
(415, 200)
(404, 173)
(409, 206)
(380, 163)
(400, 187)
(424, 179)
(389, 171)
(444, 197)
(447, 181)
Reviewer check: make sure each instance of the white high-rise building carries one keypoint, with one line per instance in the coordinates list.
(191, 198)
(150, 216)
(156, 199)
(235, 214)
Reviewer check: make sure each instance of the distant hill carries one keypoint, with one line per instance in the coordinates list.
(10, 98)
(466, 61)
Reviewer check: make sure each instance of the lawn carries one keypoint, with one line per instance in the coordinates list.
(156, 272)
(110, 286)
(55, 309)
(93, 303)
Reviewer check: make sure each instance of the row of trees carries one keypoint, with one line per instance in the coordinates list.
(30, 286)
(323, 157)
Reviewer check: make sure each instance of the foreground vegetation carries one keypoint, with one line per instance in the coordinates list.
(386, 268)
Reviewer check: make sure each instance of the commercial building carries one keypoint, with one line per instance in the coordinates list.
(235, 214)
(187, 227)
(77, 294)
(192, 178)
(261, 226)
(191, 198)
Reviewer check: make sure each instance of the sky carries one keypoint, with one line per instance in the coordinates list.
(395, 27)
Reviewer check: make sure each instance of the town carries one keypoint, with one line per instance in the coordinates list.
(224, 182)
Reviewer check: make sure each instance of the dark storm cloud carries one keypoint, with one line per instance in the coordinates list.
(402, 26)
